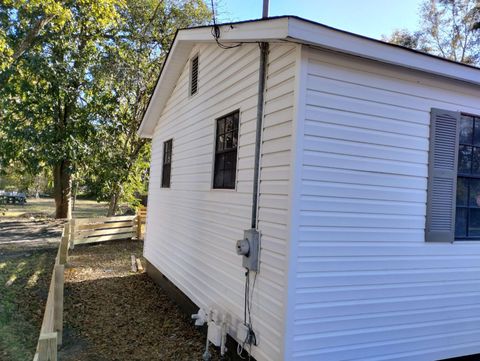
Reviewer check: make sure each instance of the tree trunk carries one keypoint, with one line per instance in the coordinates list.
(74, 197)
(62, 181)
(112, 206)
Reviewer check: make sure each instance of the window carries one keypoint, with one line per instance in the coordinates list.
(467, 216)
(167, 163)
(453, 194)
(226, 141)
(194, 75)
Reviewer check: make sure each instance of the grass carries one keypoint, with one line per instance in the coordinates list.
(45, 207)
(24, 281)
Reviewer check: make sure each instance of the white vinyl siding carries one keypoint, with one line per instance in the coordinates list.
(192, 228)
(367, 286)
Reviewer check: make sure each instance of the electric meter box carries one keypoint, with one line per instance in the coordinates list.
(249, 248)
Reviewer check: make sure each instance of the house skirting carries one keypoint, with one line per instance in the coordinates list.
(187, 306)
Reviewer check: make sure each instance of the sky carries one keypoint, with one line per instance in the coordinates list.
(372, 18)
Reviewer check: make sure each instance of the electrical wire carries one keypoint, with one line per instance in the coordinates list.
(216, 32)
(247, 317)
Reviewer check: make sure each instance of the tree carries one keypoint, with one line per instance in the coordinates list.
(136, 53)
(405, 38)
(42, 118)
(448, 30)
(78, 88)
(16, 37)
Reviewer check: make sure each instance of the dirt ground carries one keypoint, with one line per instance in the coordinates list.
(112, 313)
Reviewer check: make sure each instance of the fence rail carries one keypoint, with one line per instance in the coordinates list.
(52, 325)
(89, 230)
(78, 231)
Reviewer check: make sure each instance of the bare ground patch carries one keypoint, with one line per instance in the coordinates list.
(114, 314)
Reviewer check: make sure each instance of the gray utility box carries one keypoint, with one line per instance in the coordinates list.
(249, 248)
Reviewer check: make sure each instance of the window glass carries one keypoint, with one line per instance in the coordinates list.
(467, 218)
(466, 130)
(226, 151)
(462, 191)
(476, 138)
(474, 191)
(464, 159)
(474, 223)
(461, 222)
(167, 163)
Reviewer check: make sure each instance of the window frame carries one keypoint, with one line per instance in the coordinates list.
(167, 163)
(216, 152)
(190, 80)
(468, 177)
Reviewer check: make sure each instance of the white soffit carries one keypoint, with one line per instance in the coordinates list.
(289, 28)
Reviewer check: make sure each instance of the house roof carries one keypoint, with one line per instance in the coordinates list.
(298, 30)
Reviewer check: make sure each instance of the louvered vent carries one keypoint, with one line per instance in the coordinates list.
(442, 176)
(194, 76)
(445, 142)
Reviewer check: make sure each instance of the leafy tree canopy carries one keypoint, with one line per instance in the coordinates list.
(75, 78)
(448, 29)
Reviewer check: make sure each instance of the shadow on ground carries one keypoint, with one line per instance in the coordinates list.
(126, 318)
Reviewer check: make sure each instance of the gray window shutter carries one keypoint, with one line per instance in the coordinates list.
(442, 176)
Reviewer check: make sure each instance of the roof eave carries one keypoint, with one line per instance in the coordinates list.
(248, 32)
(306, 32)
(296, 30)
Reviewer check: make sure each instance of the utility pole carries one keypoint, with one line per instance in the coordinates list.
(265, 9)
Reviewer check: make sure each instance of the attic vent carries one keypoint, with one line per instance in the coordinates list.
(194, 75)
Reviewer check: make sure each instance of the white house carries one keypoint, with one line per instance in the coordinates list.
(369, 225)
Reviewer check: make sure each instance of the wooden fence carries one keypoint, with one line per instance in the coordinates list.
(92, 230)
(78, 231)
(141, 221)
(52, 325)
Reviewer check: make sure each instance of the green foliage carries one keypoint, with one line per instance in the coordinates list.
(448, 29)
(124, 81)
(75, 79)
(405, 38)
(14, 178)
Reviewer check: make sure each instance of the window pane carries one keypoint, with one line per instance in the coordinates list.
(219, 161)
(466, 130)
(220, 126)
(235, 120)
(229, 123)
(218, 180)
(220, 142)
(235, 139)
(476, 161)
(464, 159)
(229, 181)
(462, 191)
(476, 134)
(474, 223)
(229, 140)
(461, 222)
(474, 193)
(166, 176)
(167, 160)
(226, 151)
(230, 160)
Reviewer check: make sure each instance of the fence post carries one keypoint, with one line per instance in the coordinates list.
(58, 302)
(64, 246)
(47, 347)
(71, 233)
(139, 226)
